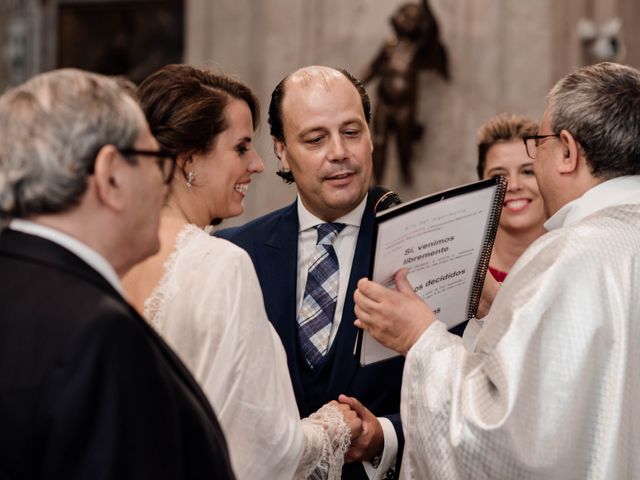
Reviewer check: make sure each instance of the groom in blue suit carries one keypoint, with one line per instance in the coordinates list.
(319, 123)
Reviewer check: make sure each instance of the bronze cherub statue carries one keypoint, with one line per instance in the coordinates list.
(415, 46)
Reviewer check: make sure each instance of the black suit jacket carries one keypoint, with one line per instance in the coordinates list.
(87, 389)
(272, 244)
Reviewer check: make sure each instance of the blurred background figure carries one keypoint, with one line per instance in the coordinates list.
(502, 151)
(202, 295)
(415, 47)
(601, 41)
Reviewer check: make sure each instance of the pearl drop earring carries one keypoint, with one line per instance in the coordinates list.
(191, 176)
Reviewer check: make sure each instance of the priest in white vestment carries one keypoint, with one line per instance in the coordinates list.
(551, 389)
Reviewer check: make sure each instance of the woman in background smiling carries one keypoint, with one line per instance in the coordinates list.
(502, 151)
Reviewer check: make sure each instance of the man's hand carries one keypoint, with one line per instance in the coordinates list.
(394, 318)
(371, 439)
(489, 292)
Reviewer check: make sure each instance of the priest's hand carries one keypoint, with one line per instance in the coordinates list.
(395, 318)
(371, 440)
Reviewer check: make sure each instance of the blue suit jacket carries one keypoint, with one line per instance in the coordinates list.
(272, 243)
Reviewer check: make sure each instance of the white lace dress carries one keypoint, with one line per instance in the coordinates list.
(209, 308)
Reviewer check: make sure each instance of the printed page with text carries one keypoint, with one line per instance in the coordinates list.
(444, 240)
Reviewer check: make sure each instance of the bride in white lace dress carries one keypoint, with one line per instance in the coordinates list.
(202, 294)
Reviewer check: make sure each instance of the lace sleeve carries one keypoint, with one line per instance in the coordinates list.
(326, 440)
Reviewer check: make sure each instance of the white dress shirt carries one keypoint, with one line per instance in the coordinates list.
(344, 246)
(86, 254)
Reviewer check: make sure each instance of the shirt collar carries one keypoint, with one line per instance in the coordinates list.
(617, 191)
(87, 254)
(308, 220)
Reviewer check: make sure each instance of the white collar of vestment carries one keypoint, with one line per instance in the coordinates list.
(617, 191)
(87, 254)
(308, 220)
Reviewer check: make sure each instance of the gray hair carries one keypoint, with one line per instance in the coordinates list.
(600, 106)
(51, 129)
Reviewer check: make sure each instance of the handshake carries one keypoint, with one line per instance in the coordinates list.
(367, 439)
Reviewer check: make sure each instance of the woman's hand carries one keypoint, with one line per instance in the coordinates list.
(350, 417)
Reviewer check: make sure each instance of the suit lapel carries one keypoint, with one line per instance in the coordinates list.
(278, 271)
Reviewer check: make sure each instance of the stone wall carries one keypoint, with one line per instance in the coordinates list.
(20, 37)
(504, 55)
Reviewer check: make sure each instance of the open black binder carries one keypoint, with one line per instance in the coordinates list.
(445, 240)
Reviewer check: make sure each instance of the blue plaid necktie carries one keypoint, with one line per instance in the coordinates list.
(320, 296)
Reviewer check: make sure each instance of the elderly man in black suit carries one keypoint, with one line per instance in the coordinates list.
(87, 389)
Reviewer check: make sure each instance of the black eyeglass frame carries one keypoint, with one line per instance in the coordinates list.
(535, 138)
(161, 157)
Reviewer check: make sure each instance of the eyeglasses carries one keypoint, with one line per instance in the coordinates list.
(532, 142)
(166, 161)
